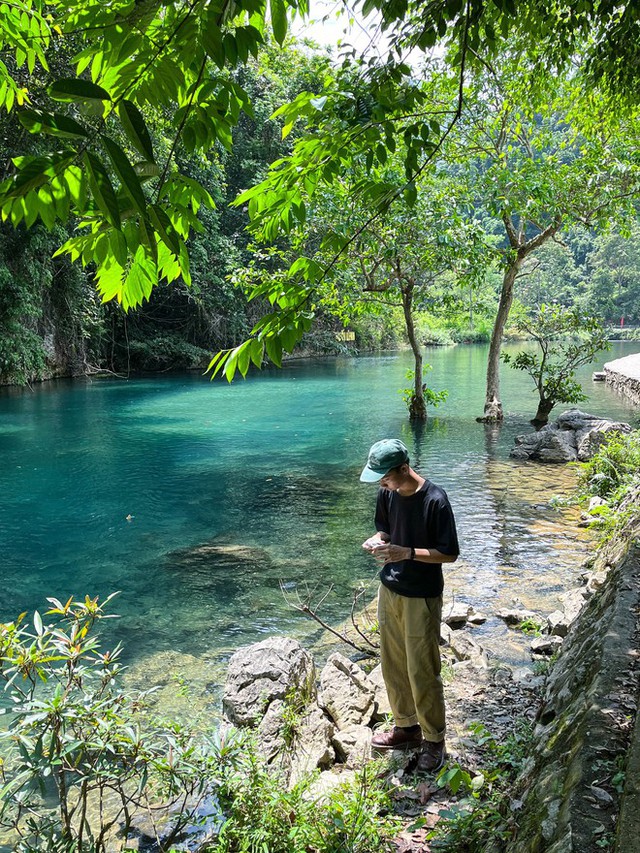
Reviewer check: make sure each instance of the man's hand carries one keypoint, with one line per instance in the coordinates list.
(387, 552)
(374, 542)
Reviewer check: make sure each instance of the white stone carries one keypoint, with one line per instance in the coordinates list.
(353, 746)
(456, 613)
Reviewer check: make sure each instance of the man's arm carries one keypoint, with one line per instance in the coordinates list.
(391, 553)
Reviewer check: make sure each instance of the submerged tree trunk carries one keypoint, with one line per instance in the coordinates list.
(417, 405)
(492, 404)
(542, 415)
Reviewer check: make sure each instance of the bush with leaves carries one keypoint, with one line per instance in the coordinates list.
(82, 763)
(566, 339)
(613, 474)
(482, 815)
(79, 759)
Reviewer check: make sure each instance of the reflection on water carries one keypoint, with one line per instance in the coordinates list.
(195, 499)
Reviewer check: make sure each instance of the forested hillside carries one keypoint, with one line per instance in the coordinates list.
(216, 186)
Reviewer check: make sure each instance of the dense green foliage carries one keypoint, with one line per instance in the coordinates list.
(129, 129)
(483, 816)
(82, 762)
(614, 469)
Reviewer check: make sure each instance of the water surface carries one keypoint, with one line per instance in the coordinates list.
(197, 499)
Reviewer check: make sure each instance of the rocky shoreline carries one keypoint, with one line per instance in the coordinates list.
(623, 374)
(580, 700)
(335, 712)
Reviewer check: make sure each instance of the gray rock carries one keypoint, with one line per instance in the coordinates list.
(353, 746)
(312, 745)
(575, 435)
(271, 740)
(346, 693)
(465, 648)
(573, 602)
(558, 623)
(595, 582)
(265, 671)
(456, 614)
(516, 617)
(546, 645)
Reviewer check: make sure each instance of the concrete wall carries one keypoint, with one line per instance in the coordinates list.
(623, 374)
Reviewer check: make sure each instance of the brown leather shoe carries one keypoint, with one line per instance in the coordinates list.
(432, 756)
(398, 738)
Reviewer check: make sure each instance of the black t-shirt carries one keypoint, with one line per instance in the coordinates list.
(422, 520)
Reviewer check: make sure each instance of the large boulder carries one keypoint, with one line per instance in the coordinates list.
(575, 435)
(353, 746)
(346, 693)
(263, 672)
(312, 746)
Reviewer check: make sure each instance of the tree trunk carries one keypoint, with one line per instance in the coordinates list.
(493, 405)
(542, 415)
(417, 406)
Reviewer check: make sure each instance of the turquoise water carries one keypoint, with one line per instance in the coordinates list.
(232, 489)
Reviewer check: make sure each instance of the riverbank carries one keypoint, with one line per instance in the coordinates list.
(576, 790)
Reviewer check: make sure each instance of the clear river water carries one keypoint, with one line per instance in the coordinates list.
(197, 500)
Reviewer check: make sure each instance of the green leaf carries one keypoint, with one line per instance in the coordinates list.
(278, 20)
(162, 224)
(244, 352)
(36, 172)
(71, 89)
(274, 350)
(134, 126)
(37, 623)
(257, 352)
(54, 124)
(212, 43)
(230, 48)
(46, 206)
(102, 188)
(125, 171)
(411, 193)
(148, 238)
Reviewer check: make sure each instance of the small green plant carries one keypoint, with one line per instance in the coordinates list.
(431, 397)
(531, 626)
(261, 814)
(447, 672)
(612, 474)
(566, 339)
(294, 704)
(80, 760)
(612, 468)
(76, 746)
(481, 814)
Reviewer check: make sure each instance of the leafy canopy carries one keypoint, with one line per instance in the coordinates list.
(136, 208)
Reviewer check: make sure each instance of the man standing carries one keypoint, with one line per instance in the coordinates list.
(416, 535)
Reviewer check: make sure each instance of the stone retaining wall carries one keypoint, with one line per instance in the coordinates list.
(586, 719)
(623, 374)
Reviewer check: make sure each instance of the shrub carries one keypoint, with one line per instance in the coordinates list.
(82, 761)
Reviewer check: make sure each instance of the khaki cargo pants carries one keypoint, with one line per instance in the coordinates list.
(410, 658)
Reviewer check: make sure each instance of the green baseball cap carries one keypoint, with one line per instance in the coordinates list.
(383, 456)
